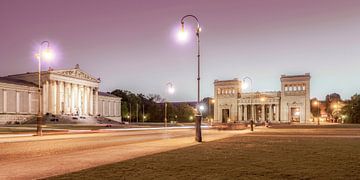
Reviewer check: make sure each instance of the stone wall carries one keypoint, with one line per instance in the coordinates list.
(109, 106)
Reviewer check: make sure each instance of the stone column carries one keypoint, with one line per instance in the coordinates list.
(50, 99)
(17, 101)
(58, 97)
(86, 100)
(277, 113)
(73, 99)
(252, 115)
(45, 95)
(271, 112)
(245, 113)
(54, 97)
(263, 112)
(79, 100)
(91, 101)
(5, 101)
(96, 104)
(66, 98)
(30, 104)
(240, 113)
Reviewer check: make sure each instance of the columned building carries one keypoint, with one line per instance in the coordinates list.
(70, 92)
(291, 104)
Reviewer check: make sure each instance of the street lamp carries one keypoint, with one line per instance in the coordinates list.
(183, 35)
(170, 90)
(317, 104)
(247, 84)
(45, 53)
(212, 101)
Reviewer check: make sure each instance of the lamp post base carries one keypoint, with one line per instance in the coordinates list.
(198, 136)
(39, 126)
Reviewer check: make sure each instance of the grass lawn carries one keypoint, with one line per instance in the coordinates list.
(245, 157)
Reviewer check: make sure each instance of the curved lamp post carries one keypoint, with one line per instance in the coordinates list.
(46, 54)
(198, 136)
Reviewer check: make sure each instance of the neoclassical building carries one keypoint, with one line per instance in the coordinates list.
(71, 92)
(291, 104)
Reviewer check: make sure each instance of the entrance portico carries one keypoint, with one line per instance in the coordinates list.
(70, 92)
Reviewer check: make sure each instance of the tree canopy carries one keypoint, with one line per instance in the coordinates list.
(351, 110)
(151, 108)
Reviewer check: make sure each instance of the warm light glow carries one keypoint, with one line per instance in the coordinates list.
(315, 103)
(183, 36)
(191, 118)
(262, 99)
(213, 101)
(47, 54)
(171, 90)
(201, 108)
(245, 85)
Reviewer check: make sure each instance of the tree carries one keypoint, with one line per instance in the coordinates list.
(330, 101)
(153, 107)
(314, 107)
(351, 110)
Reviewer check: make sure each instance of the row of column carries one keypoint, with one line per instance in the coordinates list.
(61, 97)
(273, 111)
(17, 104)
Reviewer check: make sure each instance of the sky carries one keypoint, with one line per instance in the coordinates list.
(132, 45)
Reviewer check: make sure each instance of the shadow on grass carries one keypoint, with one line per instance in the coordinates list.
(242, 157)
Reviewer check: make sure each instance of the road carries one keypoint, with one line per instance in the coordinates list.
(40, 157)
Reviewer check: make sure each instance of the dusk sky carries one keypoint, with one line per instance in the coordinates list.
(132, 44)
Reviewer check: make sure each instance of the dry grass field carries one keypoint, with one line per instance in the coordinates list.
(285, 152)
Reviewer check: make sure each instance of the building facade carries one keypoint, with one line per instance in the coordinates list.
(291, 104)
(70, 92)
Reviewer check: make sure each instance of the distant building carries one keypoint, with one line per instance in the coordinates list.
(63, 92)
(291, 104)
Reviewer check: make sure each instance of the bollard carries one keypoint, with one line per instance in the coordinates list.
(252, 125)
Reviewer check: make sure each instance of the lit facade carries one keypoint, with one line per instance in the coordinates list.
(63, 92)
(291, 104)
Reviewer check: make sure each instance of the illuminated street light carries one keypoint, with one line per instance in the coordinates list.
(317, 104)
(198, 136)
(45, 53)
(171, 90)
(202, 108)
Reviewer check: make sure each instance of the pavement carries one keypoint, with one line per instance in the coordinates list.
(34, 157)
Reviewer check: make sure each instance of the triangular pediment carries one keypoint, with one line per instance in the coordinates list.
(76, 73)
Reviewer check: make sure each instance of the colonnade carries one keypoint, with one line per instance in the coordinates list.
(61, 97)
(259, 112)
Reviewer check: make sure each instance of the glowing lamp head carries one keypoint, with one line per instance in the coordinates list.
(201, 108)
(47, 54)
(171, 90)
(262, 99)
(182, 35)
(245, 85)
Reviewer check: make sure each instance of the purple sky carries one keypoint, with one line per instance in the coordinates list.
(131, 44)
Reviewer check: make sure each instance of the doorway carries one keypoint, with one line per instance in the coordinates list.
(225, 115)
(295, 114)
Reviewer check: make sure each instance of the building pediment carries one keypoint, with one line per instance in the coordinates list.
(76, 73)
